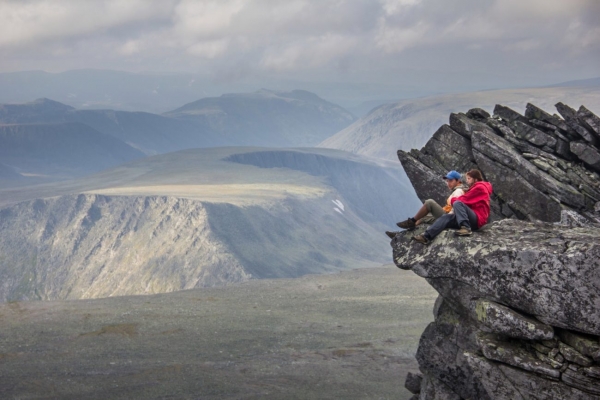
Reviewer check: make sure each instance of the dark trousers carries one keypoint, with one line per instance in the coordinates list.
(462, 216)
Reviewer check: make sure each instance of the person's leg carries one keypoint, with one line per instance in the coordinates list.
(434, 208)
(465, 216)
(430, 206)
(444, 222)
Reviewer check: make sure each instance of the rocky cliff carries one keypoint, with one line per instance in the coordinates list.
(518, 316)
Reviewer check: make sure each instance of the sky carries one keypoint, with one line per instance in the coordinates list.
(430, 45)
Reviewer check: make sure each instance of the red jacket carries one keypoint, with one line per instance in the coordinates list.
(478, 200)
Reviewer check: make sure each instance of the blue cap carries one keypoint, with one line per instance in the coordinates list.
(453, 175)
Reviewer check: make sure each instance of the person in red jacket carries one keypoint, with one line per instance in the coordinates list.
(471, 210)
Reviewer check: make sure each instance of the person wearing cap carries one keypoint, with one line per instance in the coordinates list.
(471, 210)
(431, 210)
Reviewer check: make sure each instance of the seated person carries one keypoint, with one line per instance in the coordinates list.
(471, 210)
(431, 210)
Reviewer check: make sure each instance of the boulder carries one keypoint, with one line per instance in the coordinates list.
(427, 183)
(539, 269)
(532, 135)
(478, 114)
(465, 125)
(589, 120)
(413, 382)
(508, 114)
(535, 113)
(452, 150)
(586, 153)
(570, 116)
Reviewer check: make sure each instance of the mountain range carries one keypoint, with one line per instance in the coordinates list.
(264, 118)
(409, 124)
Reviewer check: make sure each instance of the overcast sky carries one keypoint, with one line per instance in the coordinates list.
(446, 44)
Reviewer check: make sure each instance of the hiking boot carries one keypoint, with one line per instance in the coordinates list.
(391, 234)
(421, 239)
(463, 231)
(408, 224)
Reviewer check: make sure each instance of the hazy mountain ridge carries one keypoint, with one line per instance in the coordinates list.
(410, 123)
(193, 219)
(61, 149)
(296, 118)
(150, 133)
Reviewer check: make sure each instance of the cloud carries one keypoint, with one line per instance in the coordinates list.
(236, 37)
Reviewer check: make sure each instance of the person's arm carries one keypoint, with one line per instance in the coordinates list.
(474, 192)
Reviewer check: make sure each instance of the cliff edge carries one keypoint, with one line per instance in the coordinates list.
(518, 316)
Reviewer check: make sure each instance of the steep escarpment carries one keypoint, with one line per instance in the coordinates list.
(518, 316)
(90, 246)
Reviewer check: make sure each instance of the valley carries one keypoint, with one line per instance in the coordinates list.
(198, 218)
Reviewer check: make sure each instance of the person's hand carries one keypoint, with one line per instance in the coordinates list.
(418, 223)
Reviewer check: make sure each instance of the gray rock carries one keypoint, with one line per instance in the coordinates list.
(434, 389)
(563, 149)
(570, 116)
(452, 150)
(573, 355)
(586, 345)
(535, 113)
(478, 114)
(413, 382)
(594, 372)
(532, 135)
(541, 348)
(580, 381)
(587, 154)
(500, 151)
(543, 125)
(531, 386)
(589, 120)
(426, 182)
(512, 354)
(507, 288)
(548, 360)
(508, 114)
(502, 320)
(540, 269)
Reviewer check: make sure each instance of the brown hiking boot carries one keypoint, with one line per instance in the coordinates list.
(391, 234)
(463, 231)
(408, 224)
(421, 239)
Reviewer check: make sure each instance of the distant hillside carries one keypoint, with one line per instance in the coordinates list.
(61, 149)
(264, 118)
(150, 133)
(268, 118)
(409, 124)
(195, 218)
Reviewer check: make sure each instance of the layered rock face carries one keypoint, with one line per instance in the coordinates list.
(539, 164)
(518, 316)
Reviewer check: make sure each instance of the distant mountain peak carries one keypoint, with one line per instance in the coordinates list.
(49, 104)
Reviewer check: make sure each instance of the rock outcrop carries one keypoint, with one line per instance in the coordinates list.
(540, 164)
(518, 316)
